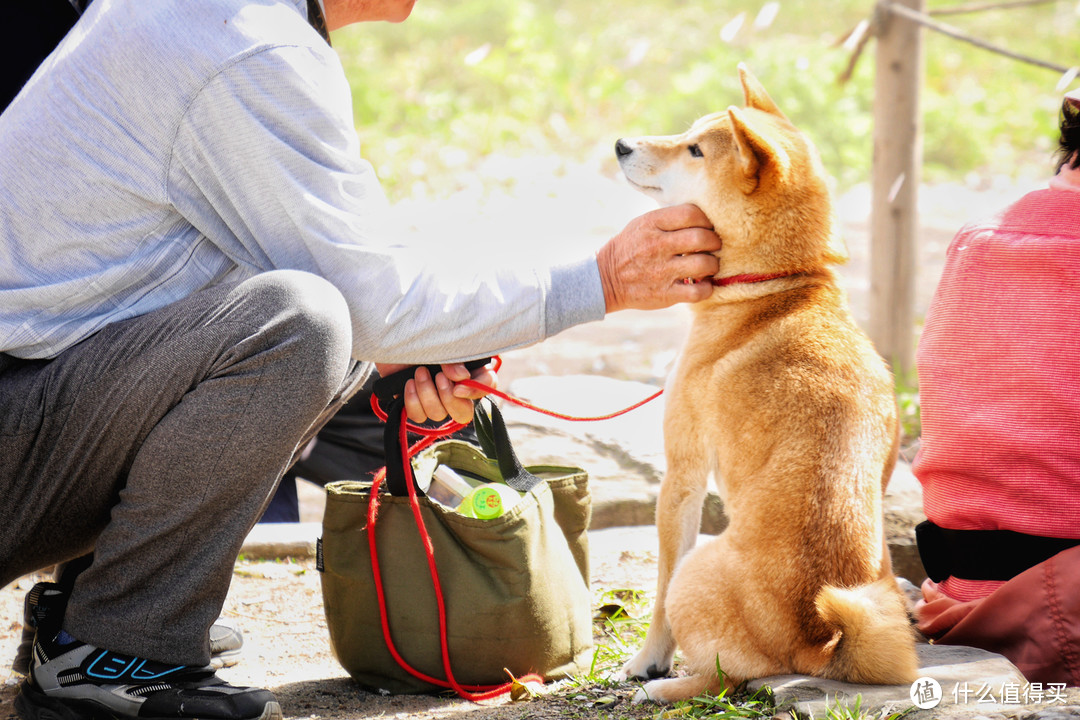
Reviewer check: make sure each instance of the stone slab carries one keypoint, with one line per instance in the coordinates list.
(970, 683)
(271, 541)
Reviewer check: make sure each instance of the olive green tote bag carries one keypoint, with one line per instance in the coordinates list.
(515, 588)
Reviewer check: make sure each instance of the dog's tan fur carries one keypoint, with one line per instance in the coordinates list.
(785, 402)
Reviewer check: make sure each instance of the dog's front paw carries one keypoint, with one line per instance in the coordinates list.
(644, 666)
(652, 692)
(669, 690)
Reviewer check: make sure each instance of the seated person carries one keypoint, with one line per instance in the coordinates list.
(999, 365)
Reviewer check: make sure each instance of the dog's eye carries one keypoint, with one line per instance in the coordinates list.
(695, 151)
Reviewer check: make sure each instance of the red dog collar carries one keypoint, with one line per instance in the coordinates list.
(750, 278)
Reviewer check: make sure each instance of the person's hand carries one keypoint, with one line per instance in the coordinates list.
(428, 398)
(646, 265)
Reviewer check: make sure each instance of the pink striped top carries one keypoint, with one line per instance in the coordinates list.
(999, 376)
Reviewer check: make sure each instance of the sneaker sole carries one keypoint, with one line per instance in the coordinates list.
(32, 704)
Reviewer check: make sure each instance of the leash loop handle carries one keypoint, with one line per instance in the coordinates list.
(389, 392)
(391, 386)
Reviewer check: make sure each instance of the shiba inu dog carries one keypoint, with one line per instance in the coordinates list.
(783, 400)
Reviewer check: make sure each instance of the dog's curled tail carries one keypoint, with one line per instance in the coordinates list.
(877, 644)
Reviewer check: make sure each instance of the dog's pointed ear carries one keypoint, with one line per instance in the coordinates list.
(754, 95)
(754, 149)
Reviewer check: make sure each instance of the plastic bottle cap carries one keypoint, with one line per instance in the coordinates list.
(490, 501)
(486, 503)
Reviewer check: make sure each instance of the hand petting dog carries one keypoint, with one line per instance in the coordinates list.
(644, 267)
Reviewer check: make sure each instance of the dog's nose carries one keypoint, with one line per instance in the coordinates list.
(622, 148)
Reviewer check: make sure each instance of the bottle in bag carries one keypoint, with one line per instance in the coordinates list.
(448, 488)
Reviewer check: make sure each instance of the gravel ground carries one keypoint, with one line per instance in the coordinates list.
(278, 607)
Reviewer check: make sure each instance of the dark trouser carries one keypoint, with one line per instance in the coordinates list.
(156, 443)
(349, 447)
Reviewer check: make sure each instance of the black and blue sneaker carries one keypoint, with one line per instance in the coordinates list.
(43, 608)
(70, 680)
(44, 612)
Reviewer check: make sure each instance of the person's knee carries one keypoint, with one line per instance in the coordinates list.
(308, 316)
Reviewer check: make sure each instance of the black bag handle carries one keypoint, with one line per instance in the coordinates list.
(495, 442)
(389, 391)
(490, 429)
(395, 473)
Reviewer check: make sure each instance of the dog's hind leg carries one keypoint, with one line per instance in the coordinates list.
(678, 520)
(669, 690)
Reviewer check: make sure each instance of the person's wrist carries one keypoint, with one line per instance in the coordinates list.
(604, 263)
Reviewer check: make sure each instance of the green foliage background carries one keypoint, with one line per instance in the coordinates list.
(461, 80)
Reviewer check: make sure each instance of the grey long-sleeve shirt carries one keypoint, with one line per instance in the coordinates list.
(168, 146)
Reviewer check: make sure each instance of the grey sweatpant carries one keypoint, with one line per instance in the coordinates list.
(156, 443)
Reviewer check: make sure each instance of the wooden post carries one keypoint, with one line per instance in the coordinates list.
(896, 176)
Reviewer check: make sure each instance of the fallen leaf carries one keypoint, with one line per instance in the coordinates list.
(613, 610)
(527, 690)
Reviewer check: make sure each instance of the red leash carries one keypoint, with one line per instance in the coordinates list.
(442, 430)
(552, 413)
(429, 436)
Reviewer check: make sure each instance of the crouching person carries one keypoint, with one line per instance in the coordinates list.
(191, 283)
